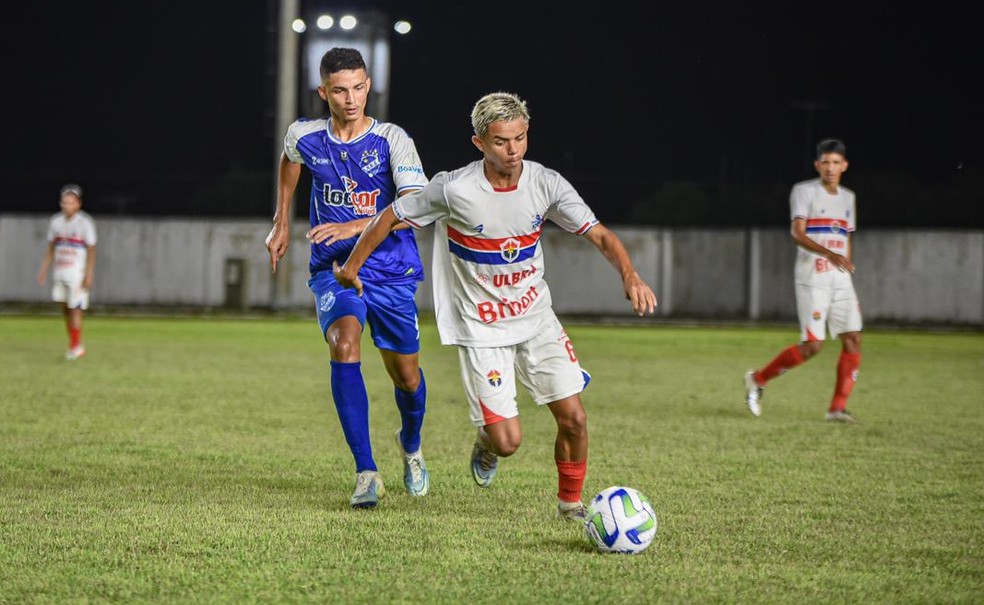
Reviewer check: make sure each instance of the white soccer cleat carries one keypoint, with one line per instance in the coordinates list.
(75, 353)
(840, 416)
(753, 394)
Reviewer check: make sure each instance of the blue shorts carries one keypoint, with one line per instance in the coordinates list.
(391, 310)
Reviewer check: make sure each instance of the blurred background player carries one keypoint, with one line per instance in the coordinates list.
(72, 250)
(824, 216)
(489, 293)
(358, 167)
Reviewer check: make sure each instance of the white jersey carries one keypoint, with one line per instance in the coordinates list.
(72, 238)
(830, 219)
(488, 274)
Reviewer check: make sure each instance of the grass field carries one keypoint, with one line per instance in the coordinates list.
(200, 461)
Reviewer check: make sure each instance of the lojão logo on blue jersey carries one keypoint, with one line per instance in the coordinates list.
(362, 203)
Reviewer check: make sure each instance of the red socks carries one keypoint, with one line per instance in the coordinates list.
(571, 479)
(74, 337)
(789, 358)
(847, 375)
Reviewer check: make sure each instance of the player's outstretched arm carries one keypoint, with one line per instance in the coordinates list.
(637, 291)
(377, 230)
(279, 238)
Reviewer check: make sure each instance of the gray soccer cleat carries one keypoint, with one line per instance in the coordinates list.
(369, 490)
(578, 512)
(484, 463)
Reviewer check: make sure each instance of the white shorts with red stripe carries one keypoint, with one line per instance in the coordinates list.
(546, 365)
(836, 310)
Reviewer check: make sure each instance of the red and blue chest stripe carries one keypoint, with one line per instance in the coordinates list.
(492, 250)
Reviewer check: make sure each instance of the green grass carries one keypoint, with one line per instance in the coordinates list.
(201, 461)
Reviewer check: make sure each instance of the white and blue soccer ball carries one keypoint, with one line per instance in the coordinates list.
(621, 519)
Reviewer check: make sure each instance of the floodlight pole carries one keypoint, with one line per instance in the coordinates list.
(286, 108)
(811, 108)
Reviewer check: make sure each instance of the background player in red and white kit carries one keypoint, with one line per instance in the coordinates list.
(824, 216)
(72, 251)
(489, 293)
(358, 167)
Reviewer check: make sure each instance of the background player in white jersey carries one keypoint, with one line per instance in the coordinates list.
(490, 296)
(72, 251)
(824, 216)
(358, 167)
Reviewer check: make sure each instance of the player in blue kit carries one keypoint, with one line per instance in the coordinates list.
(358, 167)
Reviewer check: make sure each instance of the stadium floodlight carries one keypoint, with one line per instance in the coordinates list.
(299, 26)
(325, 22)
(348, 22)
(402, 27)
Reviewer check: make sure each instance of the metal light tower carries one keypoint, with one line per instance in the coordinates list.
(367, 32)
(304, 35)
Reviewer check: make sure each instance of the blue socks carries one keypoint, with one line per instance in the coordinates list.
(348, 389)
(412, 407)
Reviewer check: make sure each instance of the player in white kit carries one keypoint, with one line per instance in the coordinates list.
(824, 217)
(72, 251)
(490, 296)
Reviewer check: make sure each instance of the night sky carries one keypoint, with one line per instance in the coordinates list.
(167, 108)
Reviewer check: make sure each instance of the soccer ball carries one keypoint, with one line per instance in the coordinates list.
(620, 519)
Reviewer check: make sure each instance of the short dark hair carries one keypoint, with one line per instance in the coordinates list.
(831, 146)
(337, 59)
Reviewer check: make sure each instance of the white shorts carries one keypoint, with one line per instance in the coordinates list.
(546, 365)
(820, 309)
(71, 293)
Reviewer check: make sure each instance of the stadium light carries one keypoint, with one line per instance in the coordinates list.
(348, 22)
(325, 22)
(299, 26)
(402, 27)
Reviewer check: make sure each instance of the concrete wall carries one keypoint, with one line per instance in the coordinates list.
(906, 276)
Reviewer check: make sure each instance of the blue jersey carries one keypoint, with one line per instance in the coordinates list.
(354, 180)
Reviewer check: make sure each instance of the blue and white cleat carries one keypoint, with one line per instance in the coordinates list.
(369, 490)
(484, 463)
(415, 475)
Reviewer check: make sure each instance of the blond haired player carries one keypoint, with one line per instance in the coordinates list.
(824, 217)
(72, 251)
(490, 296)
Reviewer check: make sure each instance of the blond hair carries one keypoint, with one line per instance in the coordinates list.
(496, 106)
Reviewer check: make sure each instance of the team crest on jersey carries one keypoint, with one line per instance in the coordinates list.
(370, 161)
(509, 249)
(494, 378)
(835, 226)
(327, 302)
(817, 316)
(537, 221)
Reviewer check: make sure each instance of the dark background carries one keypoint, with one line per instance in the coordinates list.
(677, 114)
